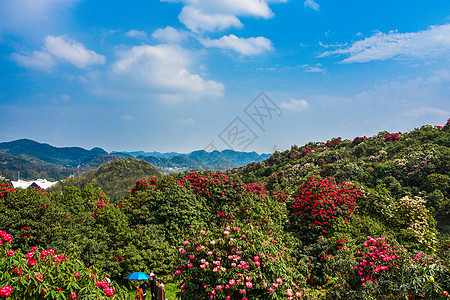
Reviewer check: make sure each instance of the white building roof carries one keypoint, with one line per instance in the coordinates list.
(23, 184)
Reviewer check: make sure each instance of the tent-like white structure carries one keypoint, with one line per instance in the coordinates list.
(42, 183)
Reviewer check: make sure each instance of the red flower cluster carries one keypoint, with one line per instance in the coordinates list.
(144, 184)
(108, 290)
(334, 141)
(341, 243)
(5, 237)
(322, 200)
(5, 291)
(307, 151)
(5, 188)
(392, 137)
(100, 203)
(357, 140)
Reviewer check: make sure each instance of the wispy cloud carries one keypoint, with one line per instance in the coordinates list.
(187, 122)
(421, 89)
(295, 105)
(127, 117)
(139, 34)
(37, 59)
(318, 68)
(212, 15)
(312, 4)
(243, 46)
(434, 41)
(425, 111)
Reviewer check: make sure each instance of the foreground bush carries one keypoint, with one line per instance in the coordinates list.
(381, 270)
(238, 262)
(42, 274)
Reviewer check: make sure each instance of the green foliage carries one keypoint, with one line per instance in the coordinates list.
(307, 214)
(230, 262)
(114, 178)
(43, 274)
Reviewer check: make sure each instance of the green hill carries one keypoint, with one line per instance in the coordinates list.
(415, 163)
(69, 157)
(339, 219)
(30, 167)
(114, 178)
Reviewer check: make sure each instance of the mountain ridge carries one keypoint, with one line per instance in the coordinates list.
(63, 161)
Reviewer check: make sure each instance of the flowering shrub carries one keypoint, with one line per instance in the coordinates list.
(5, 188)
(376, 259)
(238, 262)
(358, 140)
(44, 274)
(320, 201)
(417, 226)
(380, 270)
(392, 137)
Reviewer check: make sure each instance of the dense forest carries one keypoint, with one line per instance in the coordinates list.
(365, 218)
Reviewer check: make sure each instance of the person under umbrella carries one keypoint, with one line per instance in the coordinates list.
(143, 287)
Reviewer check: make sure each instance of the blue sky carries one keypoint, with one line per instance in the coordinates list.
(184, 75)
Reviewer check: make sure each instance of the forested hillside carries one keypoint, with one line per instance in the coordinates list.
(415, 163)
(114, 178)
(338, 219)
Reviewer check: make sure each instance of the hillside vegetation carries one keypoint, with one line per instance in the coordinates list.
(352, 219)
(114, 178)
(415, 163)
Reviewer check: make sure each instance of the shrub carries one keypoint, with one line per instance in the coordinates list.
(42, 274)
(320, 201)
(238, 262)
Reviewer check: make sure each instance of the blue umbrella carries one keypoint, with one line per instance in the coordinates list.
(138, 276)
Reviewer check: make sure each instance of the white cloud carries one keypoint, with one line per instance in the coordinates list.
(37, 59)
(425, 111)
(170, 35)
(295, 105)
(139, 34)
(72, 51)
(196, 20)
(162, 71)
(434, 41)
(312, 4)
(318, 68)
(212, 15)
(243, 46)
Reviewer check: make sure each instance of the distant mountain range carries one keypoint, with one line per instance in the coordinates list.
(30, 159)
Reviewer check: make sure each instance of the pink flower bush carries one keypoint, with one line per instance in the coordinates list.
(376, 258)
(44, 271)
(242, 263)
